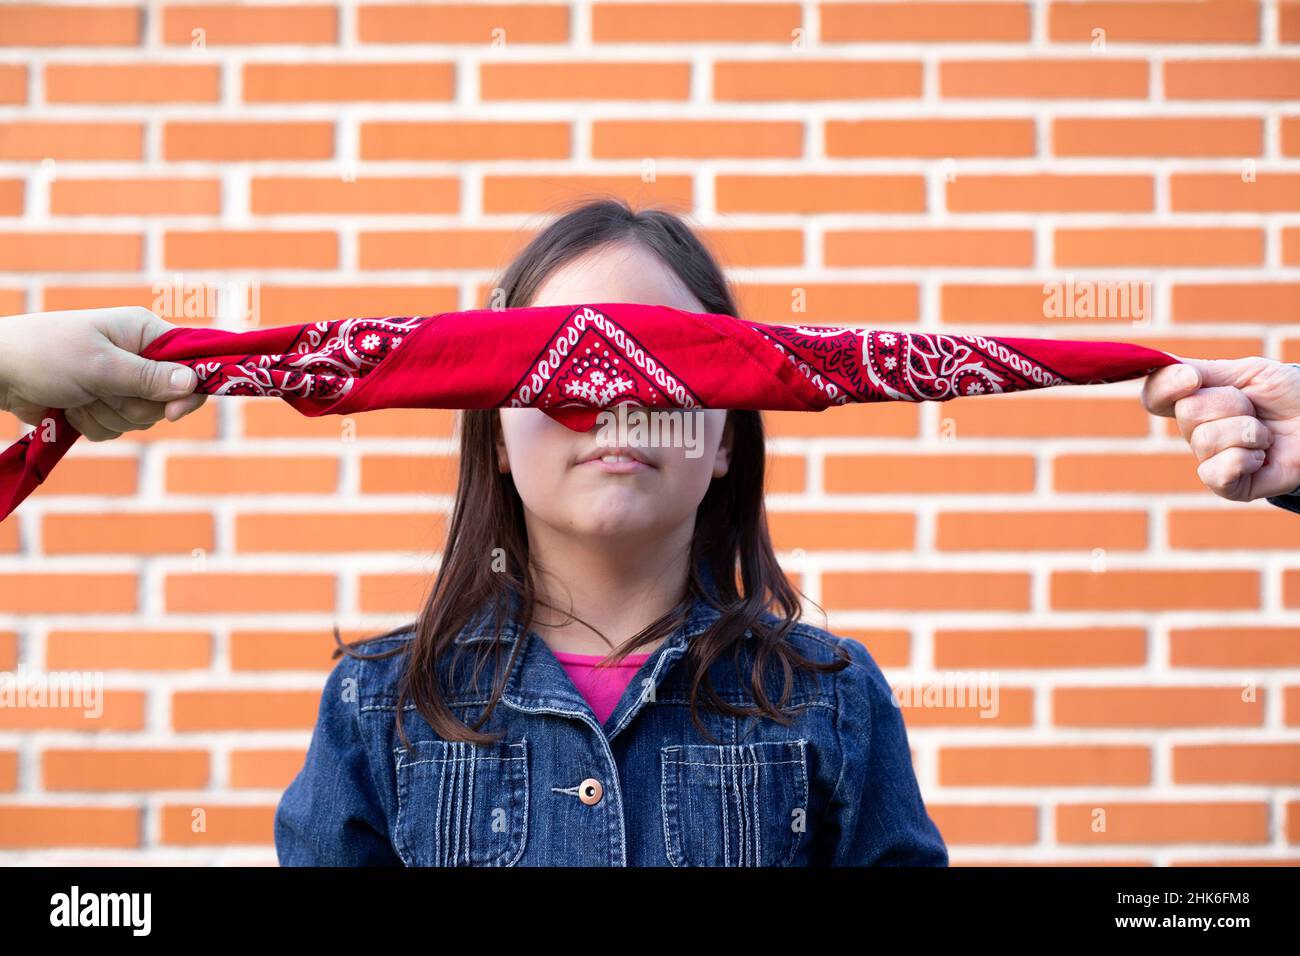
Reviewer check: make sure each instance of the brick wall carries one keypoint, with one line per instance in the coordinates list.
(908, 165)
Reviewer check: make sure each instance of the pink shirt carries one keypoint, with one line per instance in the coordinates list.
(604, 686)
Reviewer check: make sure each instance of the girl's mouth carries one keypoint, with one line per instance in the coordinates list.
(617, 464)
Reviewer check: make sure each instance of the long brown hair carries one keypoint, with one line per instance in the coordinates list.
(730, 525)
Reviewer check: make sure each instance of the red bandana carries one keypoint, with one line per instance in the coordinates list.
(573, 361)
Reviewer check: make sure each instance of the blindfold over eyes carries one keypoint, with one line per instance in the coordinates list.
(574, 362)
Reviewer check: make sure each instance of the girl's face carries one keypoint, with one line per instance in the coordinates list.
(546, 459)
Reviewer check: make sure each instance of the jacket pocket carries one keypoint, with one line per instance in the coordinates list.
(734, 804)
(459, 804)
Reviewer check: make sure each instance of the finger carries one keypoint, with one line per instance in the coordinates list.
(84, 423)
(110, 418)
(1240, 431)
(178, 409)
(1210, 404)
(138, 411)
(1228, 473)
(1233, 372)
(1167, 385)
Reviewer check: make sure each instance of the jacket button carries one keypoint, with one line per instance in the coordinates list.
(590, 791)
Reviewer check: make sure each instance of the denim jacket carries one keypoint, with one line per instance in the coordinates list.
(835, 787)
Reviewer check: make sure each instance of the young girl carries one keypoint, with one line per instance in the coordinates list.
(611, 669)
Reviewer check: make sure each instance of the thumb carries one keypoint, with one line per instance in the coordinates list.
(127, 375)
(1216, 372)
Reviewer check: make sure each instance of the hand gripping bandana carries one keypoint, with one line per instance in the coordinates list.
(573, 362)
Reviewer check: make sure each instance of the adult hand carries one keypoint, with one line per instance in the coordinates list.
(1241, 418)
(87, 362)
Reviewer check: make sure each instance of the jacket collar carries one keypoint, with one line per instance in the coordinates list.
(538, 683)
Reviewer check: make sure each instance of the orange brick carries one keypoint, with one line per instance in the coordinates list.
(113, 710)
(1288, 21)
(34, 827)
(925, 590)
(366, 194)
(264, 769)
(1228, 192)
(1155, 707)
(408, 474)
(1011, 304)
(1291, 247)
(1226, 764)
(250, 249)
(1160, 246)
(924, 22)
(1236, 302)
(1035, 416)
(1051, 193)
(37, 593)
(1158, 136)
(696, 139)
(1215, 21)
(1153, 473)
(135, 197)
(70, 251)
(226, 593)
(1116, 590)
(585, 81)
(37, 140)
(209, 710)
(1108, 823)
(238, 140)
(1231, 528)
(94, 475)
(462, 23)
(226, 25)
(1041, 531)
(132, 649)
(125, 769)
(1092, 79)
(348, 82)
(1040, 647)
(39, 24)
(769, 80)
(929, 247)
(249, 474)
(1234, 647)
(819, 194)
(696, 22)
(265, 650)
(8, 771)
(753, 248)
(1290, 135)
(1028, 766)
(463, 141)
(842, 531)
(506, 194)
(151, 533)
(393, 593)
(132, 83)
(927, 474)
(1011, 707)
(1256, 78)
(446, 249)
(330, 532)
(785, 474)
(984, 825)
(1291, 588)
(204, 825)
(275, 419)
(287, 304)
(930, 138)
(13, 83)
(830, 303)
(8, 650)
(888, 647)
(891, 420)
